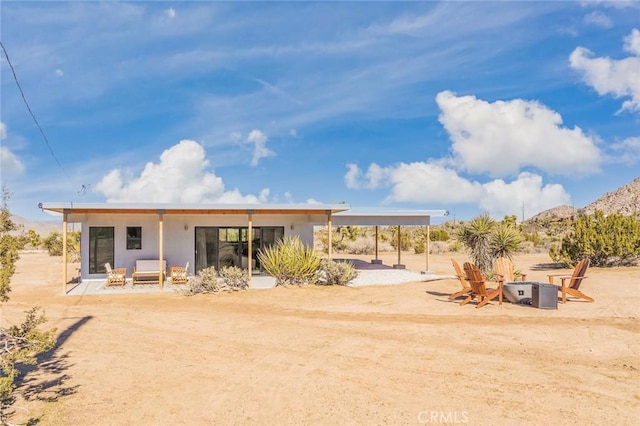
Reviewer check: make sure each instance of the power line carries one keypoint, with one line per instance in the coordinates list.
(35, 120)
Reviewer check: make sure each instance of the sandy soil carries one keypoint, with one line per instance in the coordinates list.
(401, 354)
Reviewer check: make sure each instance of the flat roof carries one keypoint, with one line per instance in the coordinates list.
(342, 214)
(182, 208)
(386, 217)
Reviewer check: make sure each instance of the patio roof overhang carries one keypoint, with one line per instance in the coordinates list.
(180, 208)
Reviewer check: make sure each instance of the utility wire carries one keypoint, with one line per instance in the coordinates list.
(35, 120)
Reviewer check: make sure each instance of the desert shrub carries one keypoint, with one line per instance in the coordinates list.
(606, 240)
(53, 245)
(439, 247)
(534, 238)
(235, 278)
(335, 273)
(405, 240)
(19, 344)
(208, 280)
(455, 246)
(290, 261)
(205, 282)
(350, 233)
(34, 239)
(365, 245)
(439, 235)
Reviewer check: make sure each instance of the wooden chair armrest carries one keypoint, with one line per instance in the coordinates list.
(551, 277)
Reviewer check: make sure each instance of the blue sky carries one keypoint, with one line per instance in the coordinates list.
(466, 106)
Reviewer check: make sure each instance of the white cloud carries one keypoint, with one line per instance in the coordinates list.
(619, 78)
(627, 151)
(180, 176)
(236, 136)
(422, 182)
(9, 162)
(502, 137)
(617, 4)
(59, 72)
(598, 19)
(501, 198)
(632, 42)
(260, 150)
(170, 13)
(355, 179)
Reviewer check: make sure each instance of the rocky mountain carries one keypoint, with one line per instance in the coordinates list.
(559, 212)
(625, 200)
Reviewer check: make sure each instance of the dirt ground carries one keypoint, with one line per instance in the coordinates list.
(401, 354)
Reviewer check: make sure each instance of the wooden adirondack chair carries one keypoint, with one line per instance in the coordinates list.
(116, 276)
(504, 268)
(466, 288)
(571, 284)
(478, 287)
(180, 275)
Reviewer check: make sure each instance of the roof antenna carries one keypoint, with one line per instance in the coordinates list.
(83, 189)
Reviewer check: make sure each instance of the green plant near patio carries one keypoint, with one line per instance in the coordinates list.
(331, 272)
(290, 261)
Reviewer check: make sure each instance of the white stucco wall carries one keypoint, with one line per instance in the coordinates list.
(179, 234)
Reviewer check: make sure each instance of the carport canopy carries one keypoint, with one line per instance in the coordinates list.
(381, 217)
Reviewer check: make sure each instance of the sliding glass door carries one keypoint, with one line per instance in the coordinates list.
(229, 246)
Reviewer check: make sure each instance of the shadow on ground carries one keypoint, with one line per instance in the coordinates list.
(548, 266)
(47, 380)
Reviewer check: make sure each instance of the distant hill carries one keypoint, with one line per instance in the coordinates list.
(43, 228)
(559, 212)
(624, 200)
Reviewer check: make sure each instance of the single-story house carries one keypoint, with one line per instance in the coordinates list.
(204, 235)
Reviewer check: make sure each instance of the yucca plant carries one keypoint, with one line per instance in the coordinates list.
(505, 240)
(476, 235)
(290, 261)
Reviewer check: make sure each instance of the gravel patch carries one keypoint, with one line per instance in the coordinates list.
(391, 276)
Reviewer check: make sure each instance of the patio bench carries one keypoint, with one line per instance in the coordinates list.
(146, 272)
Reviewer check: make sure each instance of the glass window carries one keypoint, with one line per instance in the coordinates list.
(134, 237)
(100, 248)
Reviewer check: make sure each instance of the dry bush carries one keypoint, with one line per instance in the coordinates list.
(367, 245)
(335, 273)
(439, 247)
